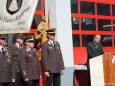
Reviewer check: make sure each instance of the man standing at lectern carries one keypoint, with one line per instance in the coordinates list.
(94, 49)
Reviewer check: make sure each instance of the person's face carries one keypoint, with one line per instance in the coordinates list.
(97, 39)
(44, 18)
(2, 41)
(19, 40)
(30, 44)
(41, 30)
(52, 37)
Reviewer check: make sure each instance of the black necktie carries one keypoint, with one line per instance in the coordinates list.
(33, 52)
(53, 43)
(20, 46)
(3, 51)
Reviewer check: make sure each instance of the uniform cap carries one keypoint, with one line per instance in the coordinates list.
(51, 31)
(29, 38)
(3, 36)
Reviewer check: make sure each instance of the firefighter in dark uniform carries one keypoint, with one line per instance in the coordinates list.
(14, 50)
(93, 49)
(29, 63)
(52, 60)
(7, 74)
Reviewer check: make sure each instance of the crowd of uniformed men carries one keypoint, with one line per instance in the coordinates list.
(20, 66)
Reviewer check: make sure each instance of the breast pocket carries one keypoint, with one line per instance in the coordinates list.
(30, 55)
(28, 58)
(50, 49)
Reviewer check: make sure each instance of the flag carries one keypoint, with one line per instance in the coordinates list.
(16, 16)
(49, 21)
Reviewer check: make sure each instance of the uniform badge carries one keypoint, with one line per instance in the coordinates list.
(58, 48)
(9, 61)
(7, 55)
(49, 42)
(55, 43)
(30, 55)
(14, 53)
(27, 50)
(50, 48)
(24, 72)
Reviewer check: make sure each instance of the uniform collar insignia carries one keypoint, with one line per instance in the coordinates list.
(57, 47)
(55, 42)
(50, 47)
(27, 49)
(49, 42)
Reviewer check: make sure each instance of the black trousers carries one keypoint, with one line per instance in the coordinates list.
(19, 79)
(32, 83)
(53, 79)
(6, 84)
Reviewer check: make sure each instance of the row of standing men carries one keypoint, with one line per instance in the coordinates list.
(20, 66)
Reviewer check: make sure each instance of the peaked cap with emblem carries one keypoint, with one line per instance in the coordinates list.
(51, 31)
(3, 36)
(29, 38)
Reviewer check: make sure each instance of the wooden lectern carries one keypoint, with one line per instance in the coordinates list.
(102, 70)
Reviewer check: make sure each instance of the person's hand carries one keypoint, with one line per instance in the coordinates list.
(46, 74)
(62, 72)
(26, 79)
(13, 80)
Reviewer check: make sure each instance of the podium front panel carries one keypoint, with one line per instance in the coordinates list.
(96, 71)
(109, 69)
(102, 70)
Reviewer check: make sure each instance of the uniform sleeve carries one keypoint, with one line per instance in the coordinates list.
(12, 65)
(89, 51)
(13, 69)
(39, 66)
(45, 57)
(62, 62)
(22, 63)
